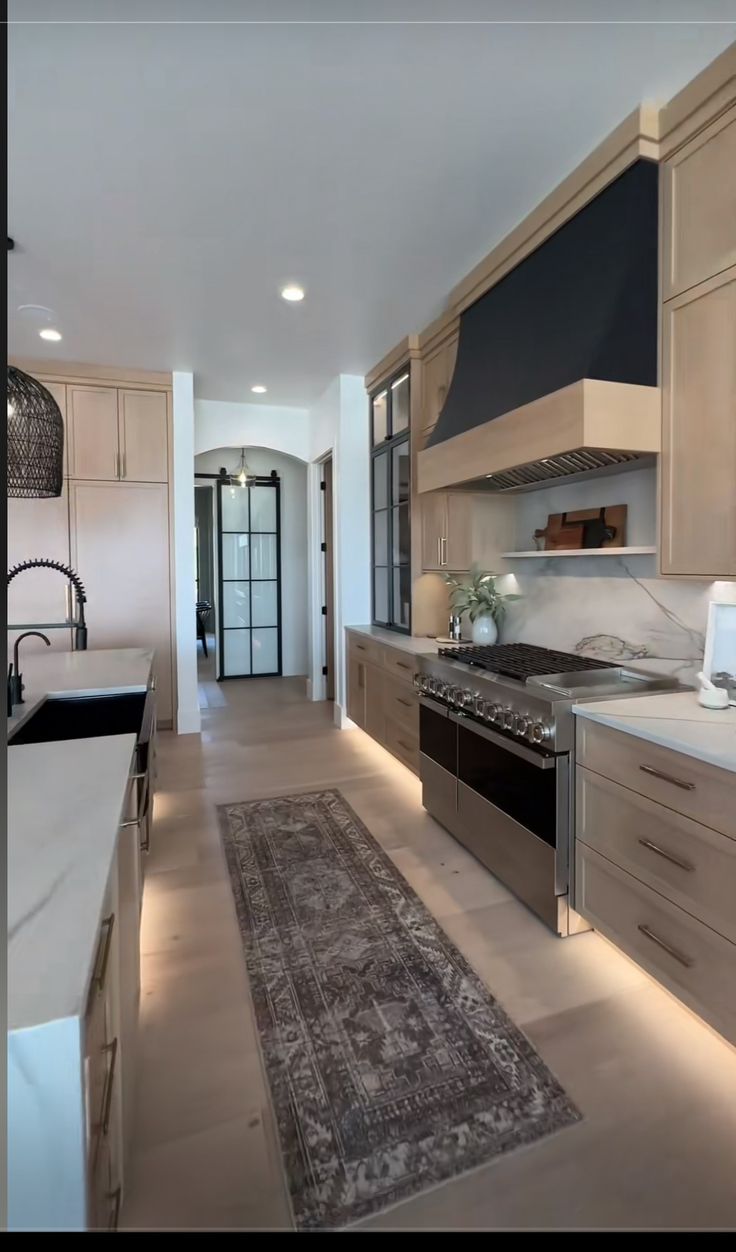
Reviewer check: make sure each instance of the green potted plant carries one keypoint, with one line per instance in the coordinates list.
(480, 598)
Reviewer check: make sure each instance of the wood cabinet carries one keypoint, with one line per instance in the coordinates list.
(39, 528)
(118, 434)
(655, 864)
(143, 436)
(699, 207)
(698, 471)
(446, 531)
(698, 467)
(381, 697)
(119, 542)
(93, 432)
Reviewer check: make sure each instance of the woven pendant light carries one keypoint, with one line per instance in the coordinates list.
(35, 438)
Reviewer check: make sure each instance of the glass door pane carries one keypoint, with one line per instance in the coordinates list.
(379, 413)
(250, 627)
(400, 404)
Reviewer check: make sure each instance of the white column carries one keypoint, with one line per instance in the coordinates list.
(187, 707)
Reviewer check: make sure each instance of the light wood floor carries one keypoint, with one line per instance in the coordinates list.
(656, 1088)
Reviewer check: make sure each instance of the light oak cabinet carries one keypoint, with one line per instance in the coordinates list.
(699, 207)
(381, 697)
(698, 464)
(119, 542)
(446, 531)
(698, 468)
(117, 434)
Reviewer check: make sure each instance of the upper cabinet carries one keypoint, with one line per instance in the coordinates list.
(117, 435)
(143, 436)
(699, 207)
(698, 470)
(446, 531)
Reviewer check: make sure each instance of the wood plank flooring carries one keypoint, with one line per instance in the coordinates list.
(656, 1088)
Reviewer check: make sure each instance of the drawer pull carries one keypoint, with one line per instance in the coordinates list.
(361, 647)
(115, 1196)
(112, 1048)
(406, 703)
(653, 847)
(403, 665)
(103, 952)
(666, 947)
(658, 773)
(405, 746)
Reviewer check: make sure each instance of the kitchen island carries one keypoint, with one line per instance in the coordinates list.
(74, 890)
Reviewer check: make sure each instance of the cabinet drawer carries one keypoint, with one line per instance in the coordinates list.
(364, 648)
(690, 959)
(692, 865)
(401, 664)
(403, 744)
(700, 791)
(402, 706)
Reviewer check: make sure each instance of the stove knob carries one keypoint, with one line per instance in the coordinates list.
(540, 732)
(479, 705)
(487, 712)
(521, 725)
(497, 714)
(508, 719)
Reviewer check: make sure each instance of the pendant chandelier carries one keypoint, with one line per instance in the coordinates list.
(243, 475)
(35, 438)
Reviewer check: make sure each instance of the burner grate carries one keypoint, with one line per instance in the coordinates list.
(523, 660)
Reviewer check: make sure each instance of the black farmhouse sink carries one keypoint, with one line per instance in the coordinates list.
(83, 717)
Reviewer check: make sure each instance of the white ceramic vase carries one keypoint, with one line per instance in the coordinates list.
(485, 630)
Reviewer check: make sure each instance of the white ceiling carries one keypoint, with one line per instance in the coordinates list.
(167, 178)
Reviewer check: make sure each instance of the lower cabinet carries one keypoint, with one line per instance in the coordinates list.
(381, 698)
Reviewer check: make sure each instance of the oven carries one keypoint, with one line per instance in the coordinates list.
(507, 802)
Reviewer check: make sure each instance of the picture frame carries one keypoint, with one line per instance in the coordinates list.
(719, 661)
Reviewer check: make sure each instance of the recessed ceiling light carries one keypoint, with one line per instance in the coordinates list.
(49, 333)
(293, 293)
(259, 389)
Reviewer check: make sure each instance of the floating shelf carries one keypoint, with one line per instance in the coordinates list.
(576, 552)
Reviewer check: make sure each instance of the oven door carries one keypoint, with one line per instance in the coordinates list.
(513, 809)
(438, 762)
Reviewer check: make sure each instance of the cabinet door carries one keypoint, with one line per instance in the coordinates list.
(434, 529)
(698, 528)
(356, 690)
(437, 371)
(699, 207)
(457, 554)
(120, 545)
(144, 445)
(375, 718)
(93, 432)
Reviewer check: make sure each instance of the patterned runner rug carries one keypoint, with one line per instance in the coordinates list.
(391, 1066)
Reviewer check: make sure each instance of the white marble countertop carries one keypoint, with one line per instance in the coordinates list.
(107, 671)
(65, 802)
(417, 645)
(674, 720)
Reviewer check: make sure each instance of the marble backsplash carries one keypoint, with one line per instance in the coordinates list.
(615, 609)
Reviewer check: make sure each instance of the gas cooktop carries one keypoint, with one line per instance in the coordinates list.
(523, 660)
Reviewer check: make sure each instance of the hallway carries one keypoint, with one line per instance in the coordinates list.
(637, 1064)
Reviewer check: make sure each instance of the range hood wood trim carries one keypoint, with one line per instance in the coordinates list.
(591, 413)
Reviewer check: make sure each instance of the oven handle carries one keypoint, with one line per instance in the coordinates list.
(526, 754)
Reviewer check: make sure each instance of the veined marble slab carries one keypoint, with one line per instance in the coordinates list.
(674, 720)
(65, 805)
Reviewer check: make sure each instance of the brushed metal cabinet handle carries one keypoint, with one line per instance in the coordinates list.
(405, 746)
(361, 647)
(112, 1048)
(116, 1197)
(439, 550)
(103, 952)
(443, 550)
(666, 947)
(116, 463)
(668, 856)
(403, 665)
(406, 703)
(658, 773)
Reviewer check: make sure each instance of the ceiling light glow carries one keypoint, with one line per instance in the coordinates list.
(53, 336)
(293, 293)
(259, 389)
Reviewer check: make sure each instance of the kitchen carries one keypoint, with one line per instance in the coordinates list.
(589, 778)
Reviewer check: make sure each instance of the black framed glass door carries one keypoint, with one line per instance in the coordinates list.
(249, 526)
(390, 505)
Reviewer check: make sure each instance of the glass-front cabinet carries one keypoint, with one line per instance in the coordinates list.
(390, 502)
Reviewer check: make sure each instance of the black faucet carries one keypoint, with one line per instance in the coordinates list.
(80, 597)
(15, 680)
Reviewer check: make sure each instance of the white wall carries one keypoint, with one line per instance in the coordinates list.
(187, 710)
(293, 475)
(222, 424)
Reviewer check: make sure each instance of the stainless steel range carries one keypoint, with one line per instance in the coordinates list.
(496, 746)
